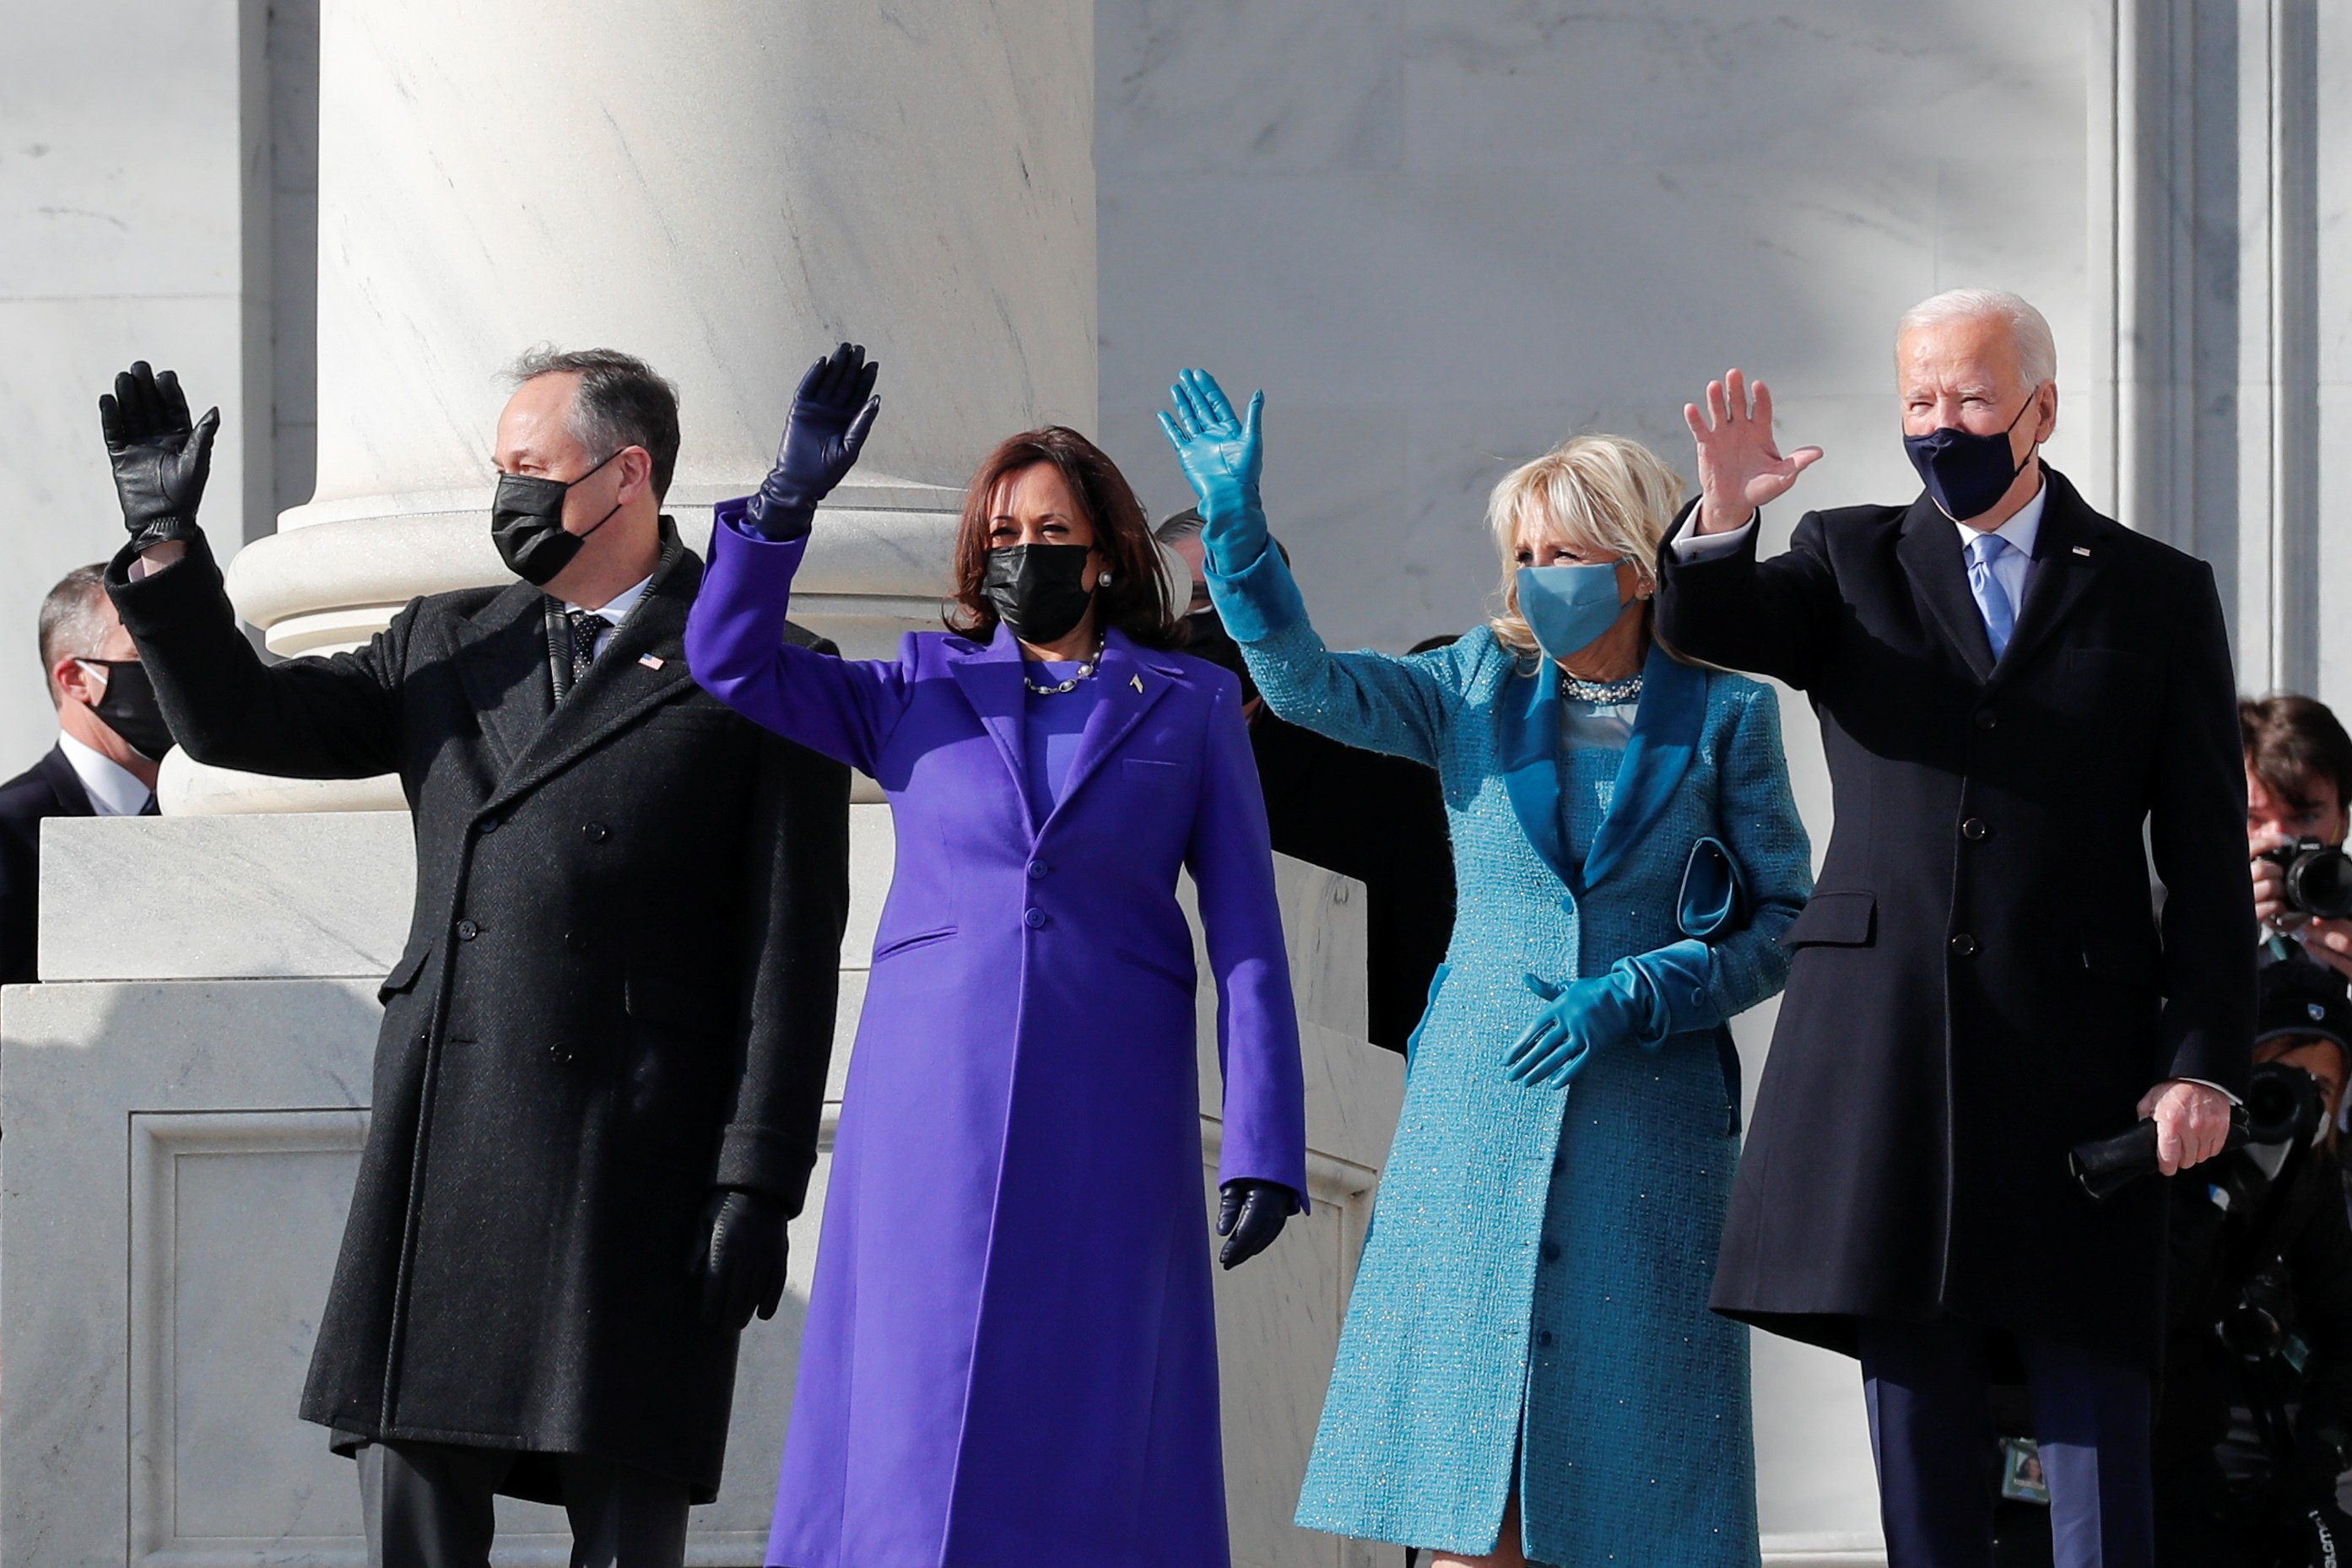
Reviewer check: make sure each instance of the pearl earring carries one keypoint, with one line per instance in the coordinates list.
(1103, 581)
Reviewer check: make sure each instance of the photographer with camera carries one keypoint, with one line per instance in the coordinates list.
(2254, 1424)
(2298, 780)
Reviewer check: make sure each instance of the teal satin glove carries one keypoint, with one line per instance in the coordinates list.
(1589, 1015)
(1221, 458)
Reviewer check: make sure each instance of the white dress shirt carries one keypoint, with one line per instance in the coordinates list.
(113, 789)
(615, 610)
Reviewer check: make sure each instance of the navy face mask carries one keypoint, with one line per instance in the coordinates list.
(1966, 473)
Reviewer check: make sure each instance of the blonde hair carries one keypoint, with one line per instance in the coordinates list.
(1608, 495)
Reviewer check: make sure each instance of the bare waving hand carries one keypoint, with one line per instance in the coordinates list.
(1739, 469)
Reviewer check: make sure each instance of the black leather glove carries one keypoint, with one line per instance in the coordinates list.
(1250, 1215)
(831, 412)
(739, 1256)
(161, 460)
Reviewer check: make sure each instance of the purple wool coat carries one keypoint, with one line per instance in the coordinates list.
(1010, 1356)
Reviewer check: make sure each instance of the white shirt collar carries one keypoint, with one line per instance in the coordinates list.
(617, 608)
(2022, 530)
(114, 790)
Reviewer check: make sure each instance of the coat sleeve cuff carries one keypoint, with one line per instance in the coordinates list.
(767, 1162)
(1676, 980)
(1259, 600)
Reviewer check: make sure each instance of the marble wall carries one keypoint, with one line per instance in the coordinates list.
(158, 172)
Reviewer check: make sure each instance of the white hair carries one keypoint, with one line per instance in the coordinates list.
(2037, 353)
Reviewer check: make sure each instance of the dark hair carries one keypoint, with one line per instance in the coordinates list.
(73, 621)
(621, 401)
(1136, 598)
(2292, 742)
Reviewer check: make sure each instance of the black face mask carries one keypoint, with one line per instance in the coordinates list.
(527, 524)
(1041, 591)
(130, 709)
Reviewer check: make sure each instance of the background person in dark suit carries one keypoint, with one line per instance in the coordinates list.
(96, 768)
(603, 1052)
(2012, 689)
(1377, 818)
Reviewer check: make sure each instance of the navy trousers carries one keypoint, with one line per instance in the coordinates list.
(1931, 1431)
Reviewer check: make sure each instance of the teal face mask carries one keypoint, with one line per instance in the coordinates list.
(1568, 607)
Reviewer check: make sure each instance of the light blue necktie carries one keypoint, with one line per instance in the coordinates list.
(1993, 599)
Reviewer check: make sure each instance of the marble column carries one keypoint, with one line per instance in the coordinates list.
(726, 189)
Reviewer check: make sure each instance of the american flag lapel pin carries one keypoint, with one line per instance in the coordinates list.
(650, 662)
(2084, 551)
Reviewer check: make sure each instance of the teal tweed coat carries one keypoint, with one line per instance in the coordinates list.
(1534, 1289)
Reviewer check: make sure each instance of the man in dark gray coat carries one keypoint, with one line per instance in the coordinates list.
(603, 1052)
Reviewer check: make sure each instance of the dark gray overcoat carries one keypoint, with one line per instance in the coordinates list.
(618, 990)
(1982, 979)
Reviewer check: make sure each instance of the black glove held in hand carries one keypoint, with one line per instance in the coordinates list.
(739, 1256)
(831, 415)
(161, 460)
(1250, 1215)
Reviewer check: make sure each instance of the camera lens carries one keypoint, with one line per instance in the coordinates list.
(2319, 882)
(2283, 1104)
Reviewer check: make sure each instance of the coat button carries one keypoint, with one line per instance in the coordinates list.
(467, 930)
(1551, 1252)
(1976, 830)
(561, 1053)
(1544, 1338)
(1036, 919)
(1987, 719)
(488, 825)
(595, 833)
(1964, 946)
(1038, 868)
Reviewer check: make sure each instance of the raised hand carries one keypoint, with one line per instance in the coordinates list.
(1250, 1214)
(1221, 458)
(831, 412)
(161, 458)
(1739, 469)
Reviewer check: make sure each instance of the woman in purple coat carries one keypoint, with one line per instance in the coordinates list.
(1010, 1357)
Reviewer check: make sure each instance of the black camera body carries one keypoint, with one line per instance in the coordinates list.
(2318, 877)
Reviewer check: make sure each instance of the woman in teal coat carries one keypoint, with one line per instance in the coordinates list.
(1529, 1370)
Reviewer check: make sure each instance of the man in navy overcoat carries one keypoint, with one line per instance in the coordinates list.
(2021, 701)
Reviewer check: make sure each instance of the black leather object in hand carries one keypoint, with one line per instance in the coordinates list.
(739, 1256)
(161, 458)
(1250, 1215)
(831, 412)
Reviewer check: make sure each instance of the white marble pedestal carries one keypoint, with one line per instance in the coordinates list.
(183, 1102)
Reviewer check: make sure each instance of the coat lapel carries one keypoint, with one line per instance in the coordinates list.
(644, 665)
(990, 678)
(1666, 736)
(1131, 681)
(1528, 751)
(2067, 558)
(72, 794)
(502, 660)
(1930, 551)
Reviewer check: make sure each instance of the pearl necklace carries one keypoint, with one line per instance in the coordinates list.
(1085, 672)
(1606, 693)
